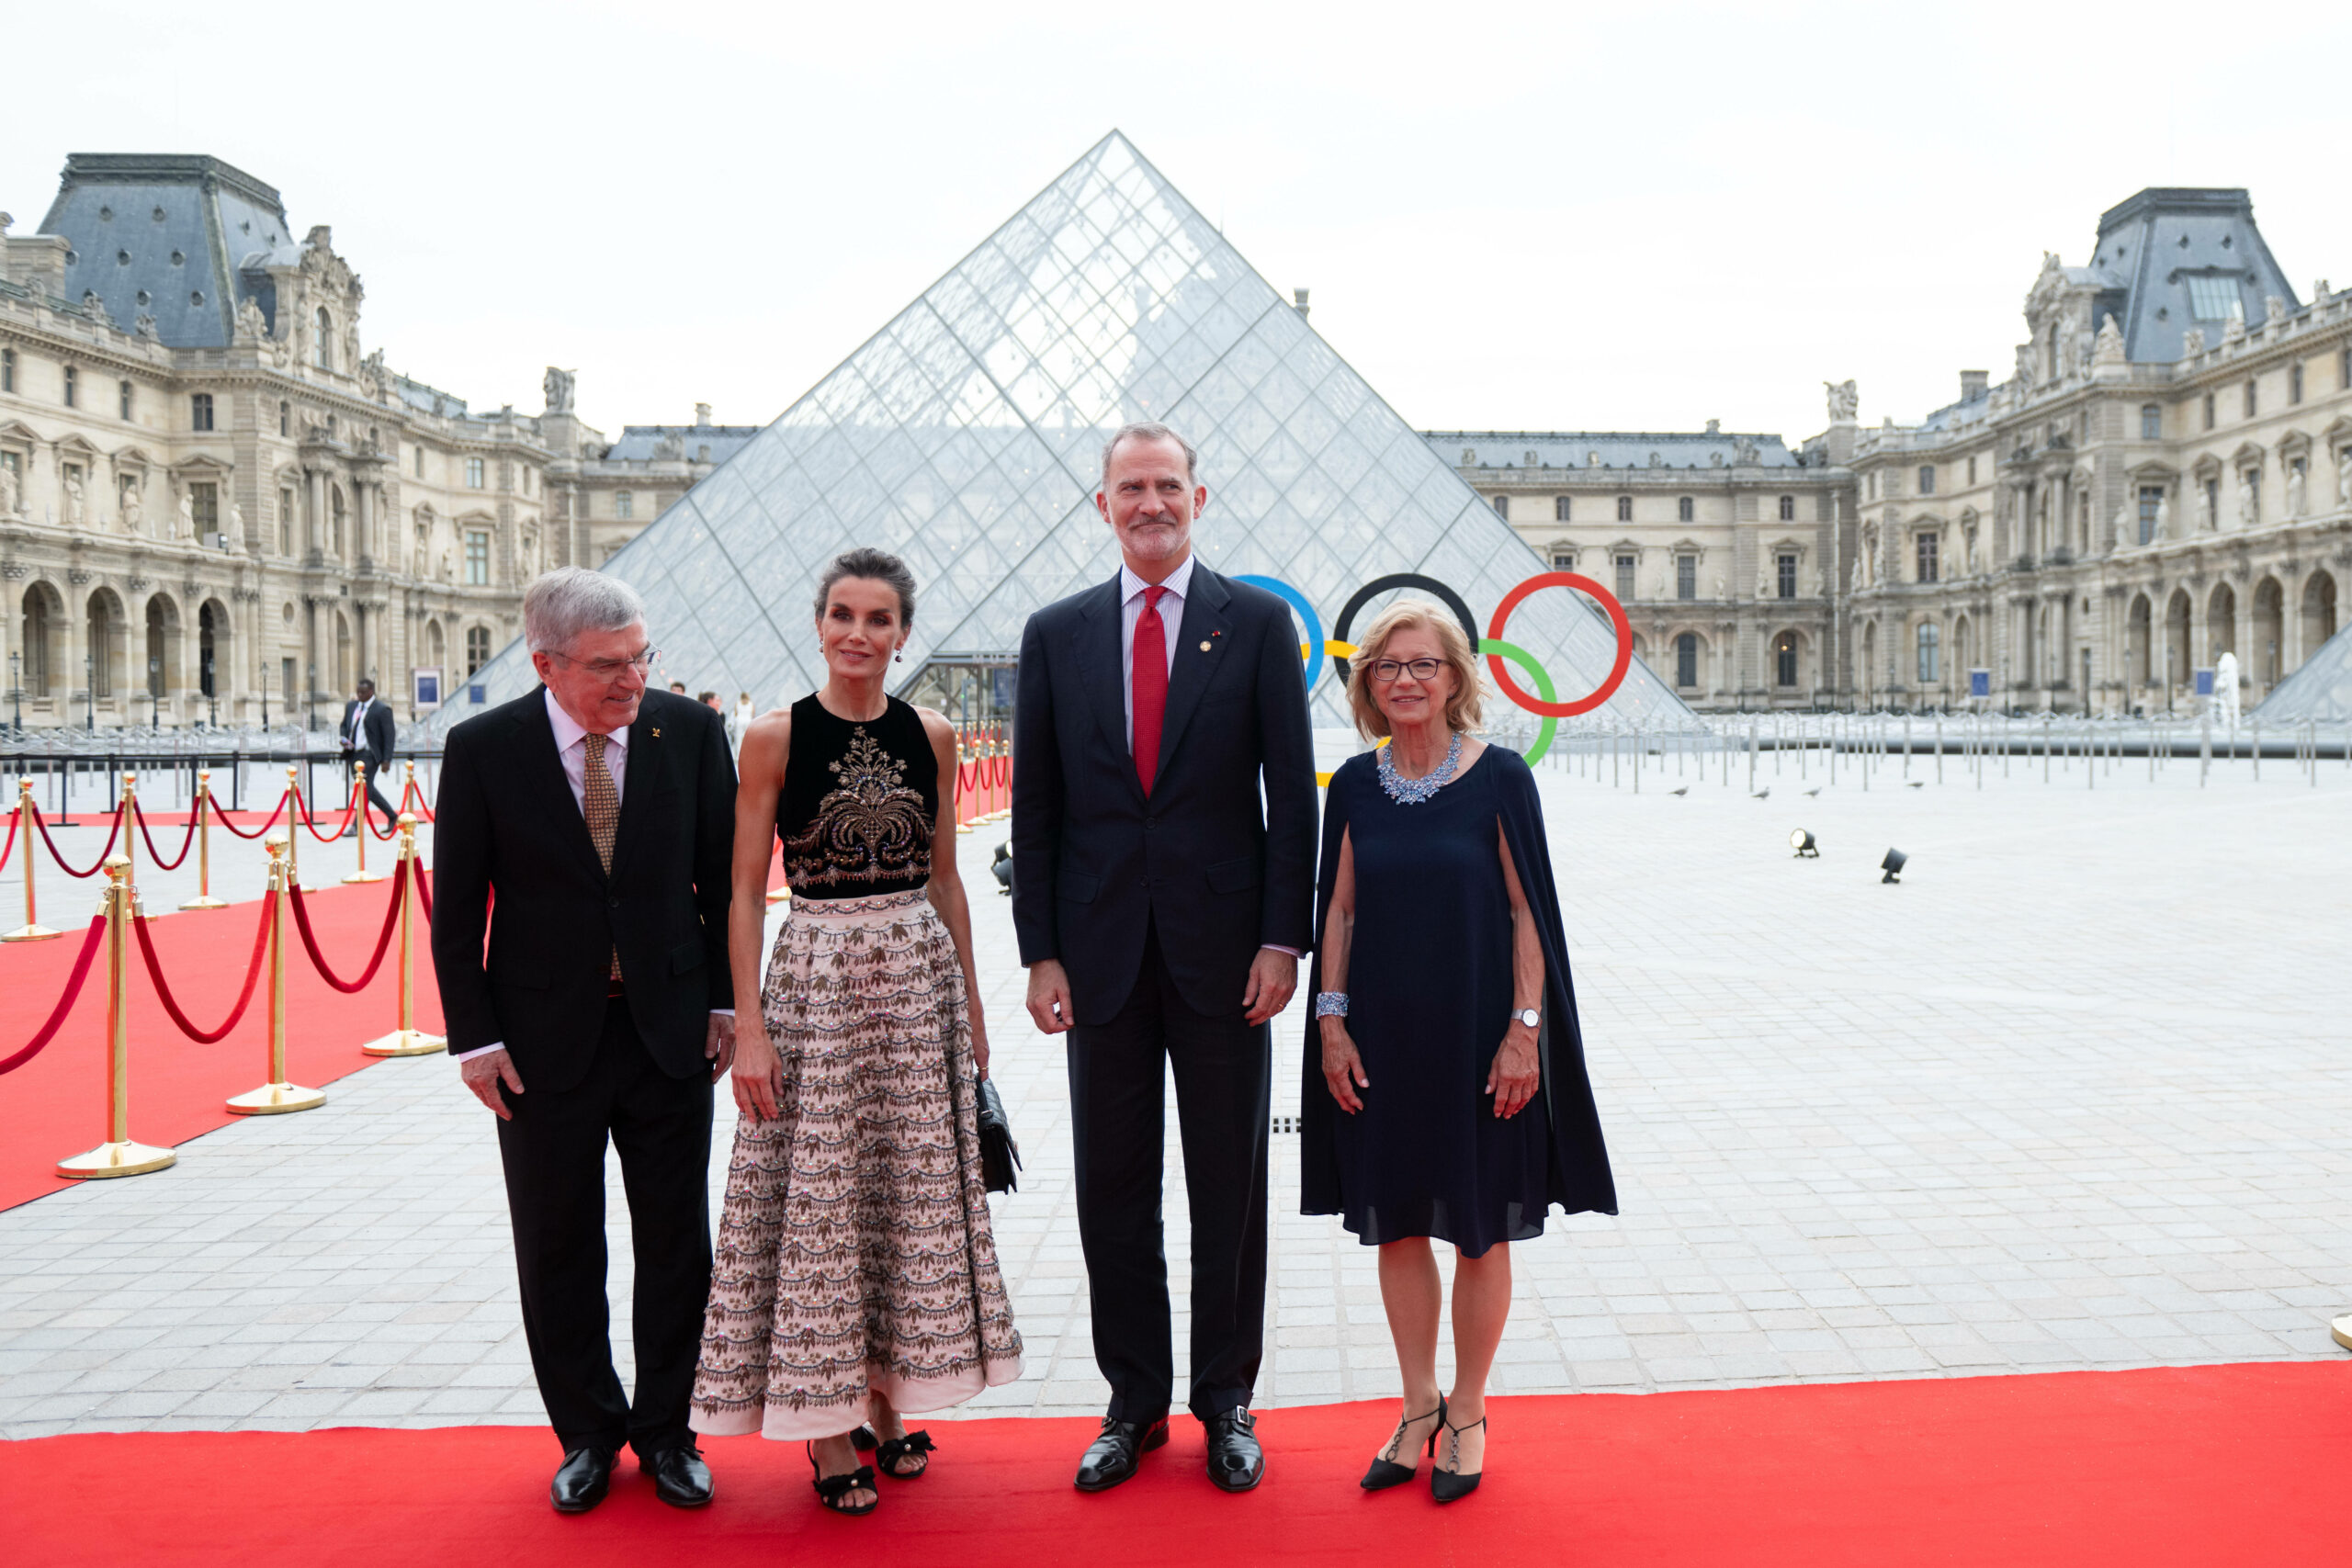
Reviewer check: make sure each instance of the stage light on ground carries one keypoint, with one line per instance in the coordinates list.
(1802, 842)
(1892, 866)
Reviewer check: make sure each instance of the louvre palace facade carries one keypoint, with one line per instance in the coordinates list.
(217, 504)
(214, 497)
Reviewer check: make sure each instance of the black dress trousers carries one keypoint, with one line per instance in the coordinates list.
(553, 1151)
(1117, 1084)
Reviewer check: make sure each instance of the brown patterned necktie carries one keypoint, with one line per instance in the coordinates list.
(601, 804)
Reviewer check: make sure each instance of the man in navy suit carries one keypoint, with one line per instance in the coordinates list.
(1161, 912)
(368, 737)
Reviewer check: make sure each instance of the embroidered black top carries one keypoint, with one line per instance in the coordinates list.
(859, 803)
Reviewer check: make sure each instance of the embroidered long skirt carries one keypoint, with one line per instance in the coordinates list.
(854, 1254)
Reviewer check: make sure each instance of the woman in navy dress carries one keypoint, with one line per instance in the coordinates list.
(1445, 1095)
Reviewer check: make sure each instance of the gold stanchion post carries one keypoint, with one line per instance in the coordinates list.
(276, 1096)
(32, 930)
(118, 1156)
(131, 827)
(359, 820)
(294, 833)
(407, 1040)
(204, 898)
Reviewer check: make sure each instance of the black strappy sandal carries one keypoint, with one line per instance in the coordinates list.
(1452, 1485)
(831, 1489)
(1386, 1473)
(889, 1451)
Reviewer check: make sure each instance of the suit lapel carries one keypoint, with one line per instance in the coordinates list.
(646, 762)
(543, 768)
(1099, 660)
(1200, 643)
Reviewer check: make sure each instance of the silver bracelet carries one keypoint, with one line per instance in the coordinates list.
(1330, 1004)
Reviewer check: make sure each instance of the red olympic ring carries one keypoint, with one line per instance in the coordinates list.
(1616, 671)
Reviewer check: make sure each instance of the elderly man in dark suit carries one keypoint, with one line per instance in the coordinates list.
(602, 815)
(368, 737)
(1161, 913)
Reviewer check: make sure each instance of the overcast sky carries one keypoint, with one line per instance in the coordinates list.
(1510, 217)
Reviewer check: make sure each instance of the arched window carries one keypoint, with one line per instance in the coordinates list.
(325, 355)
(1503, 507)
(206, 650)
(1624, 509)
(1788, 508)
(1927, 650)
(1686, 659)
(1683, 508)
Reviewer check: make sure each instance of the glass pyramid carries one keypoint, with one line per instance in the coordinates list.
(965, 436)
(2321, 689)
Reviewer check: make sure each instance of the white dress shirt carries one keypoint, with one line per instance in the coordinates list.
(1171, 614)
(571, 750)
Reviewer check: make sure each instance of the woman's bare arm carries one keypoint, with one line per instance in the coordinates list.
(1511, 1078)
(767, 744)
(946, 886)
(1342, 1067)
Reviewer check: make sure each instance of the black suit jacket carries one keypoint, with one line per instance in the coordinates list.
(374, 747)
(506, 821)
(1093, 860)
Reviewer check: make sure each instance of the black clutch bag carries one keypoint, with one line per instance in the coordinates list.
(999, 1156)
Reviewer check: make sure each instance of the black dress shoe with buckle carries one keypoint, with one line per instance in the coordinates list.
(1113, 1457)
(680, 1477)
(1235, 1461)
(580, 1480)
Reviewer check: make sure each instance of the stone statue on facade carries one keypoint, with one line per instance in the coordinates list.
(2192, 343)
(187, 515)
(2164, 515)
(2207, 515)
(2109, 349)
(72, 501)
(2344, 477)
(134, 509)
(2023, 380)
(2246, 482)
(555, 387)
(1744, 453)
(1845, 401)
(2069, 335)
(8, 491)
(449, 567)
(251, 324)
(2295, 490)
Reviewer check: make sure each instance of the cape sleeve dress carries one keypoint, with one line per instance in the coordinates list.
(1429, 989)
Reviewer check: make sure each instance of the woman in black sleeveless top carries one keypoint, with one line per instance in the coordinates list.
(856, 1275)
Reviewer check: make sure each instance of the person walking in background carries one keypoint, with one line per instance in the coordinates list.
(858, 1276)
(603, 814)
(1161, 915)
(368, 737)
(739, 722)
(1445, 1094)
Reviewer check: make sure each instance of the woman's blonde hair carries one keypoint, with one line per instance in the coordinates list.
(1462, 709)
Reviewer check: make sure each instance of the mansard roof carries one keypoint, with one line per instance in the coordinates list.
(643, 442)
(2172, 257)
(1605, 449)
(167, 235)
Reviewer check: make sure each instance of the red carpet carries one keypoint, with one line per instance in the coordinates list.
(55, 1105)
(2205, 1465)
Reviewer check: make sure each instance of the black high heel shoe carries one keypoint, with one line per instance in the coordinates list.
(889, 1451)
(831, 1489)
(1452, 1485)
(1386, 1473)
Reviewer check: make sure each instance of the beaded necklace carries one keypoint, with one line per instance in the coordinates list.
(1412, 792)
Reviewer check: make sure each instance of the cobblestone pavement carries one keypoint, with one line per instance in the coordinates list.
(2075, 1094)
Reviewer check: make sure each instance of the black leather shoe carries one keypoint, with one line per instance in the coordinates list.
(1235, 1461)
(1112, 1457)
(680, 1477)
(580, 1480)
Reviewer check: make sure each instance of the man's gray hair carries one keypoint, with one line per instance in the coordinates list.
(562, 603)
(1150, 430)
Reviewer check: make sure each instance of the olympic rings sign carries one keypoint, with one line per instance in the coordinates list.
(1544, 705)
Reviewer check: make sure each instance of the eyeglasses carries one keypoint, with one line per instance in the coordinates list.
(1386, 671)
(609, 670)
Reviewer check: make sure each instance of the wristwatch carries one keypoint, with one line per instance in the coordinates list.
(1528, 1016)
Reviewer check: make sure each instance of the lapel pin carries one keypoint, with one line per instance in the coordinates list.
(657, 732)
(1205, 645)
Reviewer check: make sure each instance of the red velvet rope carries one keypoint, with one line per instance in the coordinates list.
(64, 1003)
(424, 894)
(222, 817)
(164, 992)
(12, 838)
(383, 940)
(43, 823)
(157, 855)
(413, 794)
(312, 823)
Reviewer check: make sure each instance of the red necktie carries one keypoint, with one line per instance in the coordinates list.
(1150, 686)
